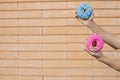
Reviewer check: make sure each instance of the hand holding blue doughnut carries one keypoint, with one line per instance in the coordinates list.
(84, 11)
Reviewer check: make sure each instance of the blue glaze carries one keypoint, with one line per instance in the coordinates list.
(84, 14)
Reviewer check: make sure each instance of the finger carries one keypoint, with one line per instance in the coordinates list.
(75, 12)
(92, 14)
(77, 17)
(87, 51)
(92, 9)
(91, 53)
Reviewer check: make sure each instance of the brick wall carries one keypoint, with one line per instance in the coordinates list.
(42, 40)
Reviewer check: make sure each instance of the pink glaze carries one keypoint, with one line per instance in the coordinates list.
(94, 43)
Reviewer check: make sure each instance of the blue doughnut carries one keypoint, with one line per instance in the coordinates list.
(84, 11)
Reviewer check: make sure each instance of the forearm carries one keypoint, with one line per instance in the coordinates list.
(110, 62)
(107, 37)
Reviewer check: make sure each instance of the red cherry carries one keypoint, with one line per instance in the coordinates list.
(94, 43)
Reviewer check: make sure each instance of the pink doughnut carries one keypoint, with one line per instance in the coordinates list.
(94, 43)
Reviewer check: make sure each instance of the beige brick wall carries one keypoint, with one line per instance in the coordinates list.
(42, 40)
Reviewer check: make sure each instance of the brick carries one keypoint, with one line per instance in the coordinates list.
(8, 6)
(3, 77)
(8, 14)
(79, 55)
(34, 30)
(67, 78)
(8, 39)
(30, 6)
(59, 14)
(21, 31)
(42, 22)
(20, 47)
(118, 21)
(30, 78)
(66, 30)
(57, 78)
(8, 22)
(30, 55)
(8, 63)
(12, 47)
(54, 0)
(20, 63)
(106, 21)
(107, 13)
(29, 14)
(81, 78)
(92, 72)
(30, 39)
(118, 4)
(42, 55)
(94, 4)
(43, 72)
(54, 47)
(8, 55)
(55, 63)
(54, 30)
(56, 72)
(53, 22)
(42, 39)
(30, 63)
(18, 0)
(74, 22)
(78, 30)
(54, 5)
(54, 38)
(32, 22)
(29, 47)
(8, 71)
(66, 63)
(63, 47)
(53, 55)
(105, 78)
(76, 38)
(75, 47)
(43, 5)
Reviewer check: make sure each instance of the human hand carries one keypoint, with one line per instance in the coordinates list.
(88, 21)
(94, 54)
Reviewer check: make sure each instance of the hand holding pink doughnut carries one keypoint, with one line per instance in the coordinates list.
(94, 43)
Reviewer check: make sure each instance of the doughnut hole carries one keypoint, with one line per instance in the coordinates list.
(84, 10)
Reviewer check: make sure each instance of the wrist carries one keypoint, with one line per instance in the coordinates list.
(101, 58)
(90, 23)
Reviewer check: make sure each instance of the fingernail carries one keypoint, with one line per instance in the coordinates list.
(76, 16)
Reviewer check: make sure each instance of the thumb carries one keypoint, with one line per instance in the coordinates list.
(87, 51)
